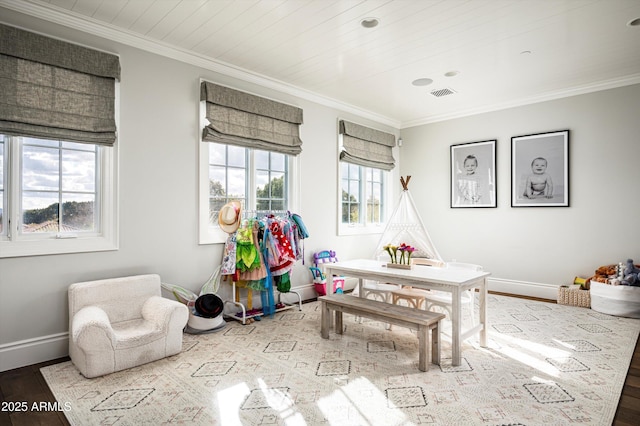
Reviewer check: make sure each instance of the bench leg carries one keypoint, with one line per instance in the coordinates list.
(423, 348)
(339, 327)
(325, 320)
(435, 343)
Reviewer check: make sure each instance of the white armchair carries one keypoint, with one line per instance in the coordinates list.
(119, 323)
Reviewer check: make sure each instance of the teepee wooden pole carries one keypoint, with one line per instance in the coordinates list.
(405, 182)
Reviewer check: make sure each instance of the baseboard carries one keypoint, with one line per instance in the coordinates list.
(523, 288)
(33, 351)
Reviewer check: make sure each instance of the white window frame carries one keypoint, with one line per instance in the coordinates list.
(210, 233)
(15, 244)
(363, 227)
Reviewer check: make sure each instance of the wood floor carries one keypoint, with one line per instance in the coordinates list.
(26, 384)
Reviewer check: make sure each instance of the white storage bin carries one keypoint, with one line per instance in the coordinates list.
(202, 325)
(618, 300)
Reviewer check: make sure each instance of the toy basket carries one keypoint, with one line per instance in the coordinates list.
(618, 300)
(320, 288)
(574, 296)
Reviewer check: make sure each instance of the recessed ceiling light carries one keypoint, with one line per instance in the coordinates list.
(634, 23)
(369, 22)
(422, 82)
(451, 73)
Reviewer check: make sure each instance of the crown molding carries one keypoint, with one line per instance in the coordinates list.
(549, 96)
(51, 13)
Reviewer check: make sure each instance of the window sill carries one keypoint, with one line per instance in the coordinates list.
(360, 229)
(55, 246)
(212, 235)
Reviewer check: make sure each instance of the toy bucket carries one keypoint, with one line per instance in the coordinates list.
(338, 286)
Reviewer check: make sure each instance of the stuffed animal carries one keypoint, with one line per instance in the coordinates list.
(603, 273)
(631, 274)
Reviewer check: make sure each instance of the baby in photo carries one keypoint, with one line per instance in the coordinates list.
(539, 183)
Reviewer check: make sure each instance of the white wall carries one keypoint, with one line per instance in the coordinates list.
(158, 159)
(532, 250)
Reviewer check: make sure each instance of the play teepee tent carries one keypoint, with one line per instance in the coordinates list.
(405, 226)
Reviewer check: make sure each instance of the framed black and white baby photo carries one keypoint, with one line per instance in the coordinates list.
(540, 170)
(473, 174)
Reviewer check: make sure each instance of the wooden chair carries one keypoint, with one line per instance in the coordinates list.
(434, 300)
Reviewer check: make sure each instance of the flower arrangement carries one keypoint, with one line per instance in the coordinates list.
(404, 250)
(392, 250)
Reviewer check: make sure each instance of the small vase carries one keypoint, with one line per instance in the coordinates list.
(399, 266)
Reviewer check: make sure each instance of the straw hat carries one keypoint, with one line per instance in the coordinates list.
(229, 217)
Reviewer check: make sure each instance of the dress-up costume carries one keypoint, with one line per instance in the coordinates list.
(261, 253)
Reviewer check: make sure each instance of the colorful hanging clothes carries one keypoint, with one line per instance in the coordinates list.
(260, 255)
(255, 275)
(281, 252)
(300, 232)
(228, 266)
(283, 282)
(247, 254)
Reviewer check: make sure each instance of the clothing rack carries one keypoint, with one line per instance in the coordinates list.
(259, 214)
(267, 295)
(245, 316)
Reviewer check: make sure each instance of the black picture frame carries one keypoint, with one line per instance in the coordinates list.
(540, 170)
(473, 175)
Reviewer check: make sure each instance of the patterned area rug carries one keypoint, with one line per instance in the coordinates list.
(546, 364)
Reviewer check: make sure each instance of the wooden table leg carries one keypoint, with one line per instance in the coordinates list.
(423, 348)
(325, 320)
(435, 343)
(456, 327)
(483, 313)
(339, 327)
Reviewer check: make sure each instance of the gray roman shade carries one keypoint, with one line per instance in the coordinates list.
(56, 90)
(366, 147)
(239, 118)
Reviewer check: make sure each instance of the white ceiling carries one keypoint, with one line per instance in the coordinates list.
(318, 49)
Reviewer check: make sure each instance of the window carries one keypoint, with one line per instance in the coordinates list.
(248, 152)
(362, 196)
(58, 185)
(366, 161)
(260, 180)
(56, 197)
(373, 189)
(271, 183)
(227, 177)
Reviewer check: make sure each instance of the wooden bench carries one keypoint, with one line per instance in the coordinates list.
(415, 319)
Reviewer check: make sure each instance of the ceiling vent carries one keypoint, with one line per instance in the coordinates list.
(438, 93)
